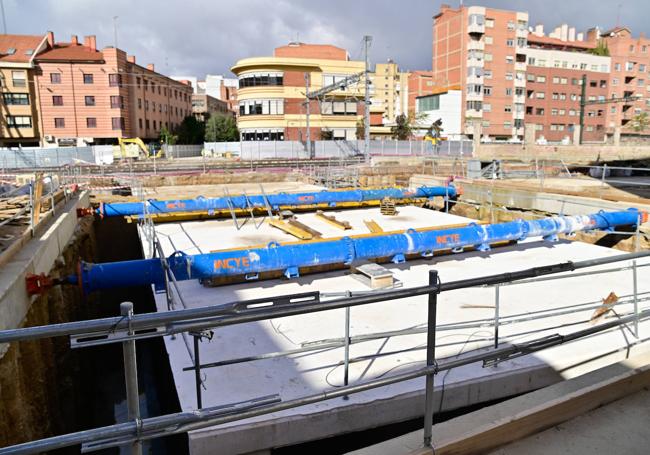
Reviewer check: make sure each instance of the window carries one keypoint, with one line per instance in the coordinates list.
(644, 49)
(511, 25)
(521, 42)
(272, 79)
(139, 103)
(541, 79)
(19, 121)
(530, 77)
(508, 91)
(615, 81)
(487, 57)
(507, 108)
(641, 68)
(489, 23)
(509, 76)
(117, 123)
(553, 111)
(59, 122)
(510, 43)
(540, 95)
(276, 107)
(593, 84)
(531, 60)
(57, 100)
(488, 39)
(629, 66)
(153, 106)
(140, 123)
(474, 105)
(475, 89)
(88, 78)
(487, 90)
(487, 107)
(564, 81)
(116, 101)
(539, 111)
(510, 59)
(561, 112)
(487, 74)
(147, 123)
(115, 80)
(55, 78)
(19, 78)
(631, 47)
(583, 66)
(617, 67)
(154, 125)
(555, 96)
(16, 99)
(556, 80)
(563, 96)
(507, 125)
(572, 112)
(137, 82)
(91, 122)
(89, 100)
(640, 82)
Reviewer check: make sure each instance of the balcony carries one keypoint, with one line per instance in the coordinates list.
(472, 113)
(476, 29)
(477, 62)
(518, 115)
(521, 83)
(521, 33)
(471, 96)
(475, 45)
(474, 79)
(519, 99)
(520, 66)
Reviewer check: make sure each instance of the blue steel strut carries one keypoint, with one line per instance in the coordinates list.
(275, 201)
(289, 258)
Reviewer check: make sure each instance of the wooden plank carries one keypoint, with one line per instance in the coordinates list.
(542, 416)
(289, 229)
(38, 194)
(344, 225)
(373, 226)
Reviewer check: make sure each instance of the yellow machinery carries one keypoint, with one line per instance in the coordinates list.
(133, 148)
(433, 134)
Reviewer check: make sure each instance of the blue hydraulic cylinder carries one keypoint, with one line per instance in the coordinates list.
(291, 257)
(275, 201)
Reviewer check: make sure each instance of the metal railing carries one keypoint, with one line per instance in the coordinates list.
(128, 328)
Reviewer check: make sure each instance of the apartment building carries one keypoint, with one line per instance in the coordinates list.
(630, 79)
(513, 75)
(389, 91)
(216, 86)
(271, 94)
(420, 83)
(92, 96)
(19, 121)
(204, 106)
(483, 51)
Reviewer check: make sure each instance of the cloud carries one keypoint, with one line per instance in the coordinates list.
(195, 37)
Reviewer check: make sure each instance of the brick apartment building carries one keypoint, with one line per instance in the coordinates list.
(512, 75)
(19, 122)
(91, 96)
(271, 94)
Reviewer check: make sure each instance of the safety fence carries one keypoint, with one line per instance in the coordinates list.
(199, 322)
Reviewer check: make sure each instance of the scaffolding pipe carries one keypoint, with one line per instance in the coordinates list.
(262, 201)
(289, 258)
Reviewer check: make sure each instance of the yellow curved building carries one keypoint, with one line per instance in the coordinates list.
(271, 94)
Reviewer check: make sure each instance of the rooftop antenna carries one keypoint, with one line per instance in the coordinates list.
(4, 21)
(115, 30)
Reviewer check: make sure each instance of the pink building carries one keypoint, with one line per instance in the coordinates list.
(91, 96)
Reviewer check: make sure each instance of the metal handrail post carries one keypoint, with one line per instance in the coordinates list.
(431, 358)
(197, 370)
(636, 300)
(346, 360)
(131, 378)
(496, 316)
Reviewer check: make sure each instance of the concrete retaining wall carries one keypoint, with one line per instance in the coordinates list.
(570, 154)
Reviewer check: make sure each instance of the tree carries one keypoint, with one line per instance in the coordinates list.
(166, 136)
(640, 122)
(361, 129)
(190, 131)
(404, 126)
(221, 128)
(601, 49)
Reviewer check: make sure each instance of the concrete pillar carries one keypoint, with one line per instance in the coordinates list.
(576, 135)
(617, 135)
(477, 131)
(529, 134)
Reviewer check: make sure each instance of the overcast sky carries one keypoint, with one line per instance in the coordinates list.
(195, 37)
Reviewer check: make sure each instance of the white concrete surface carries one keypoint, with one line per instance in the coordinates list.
(296, 376)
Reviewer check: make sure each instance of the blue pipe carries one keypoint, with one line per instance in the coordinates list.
(289, 258)
(332, 198)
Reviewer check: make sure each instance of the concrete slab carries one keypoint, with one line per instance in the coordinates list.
(299, 375)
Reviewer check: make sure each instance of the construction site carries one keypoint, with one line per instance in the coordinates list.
(389, 305)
